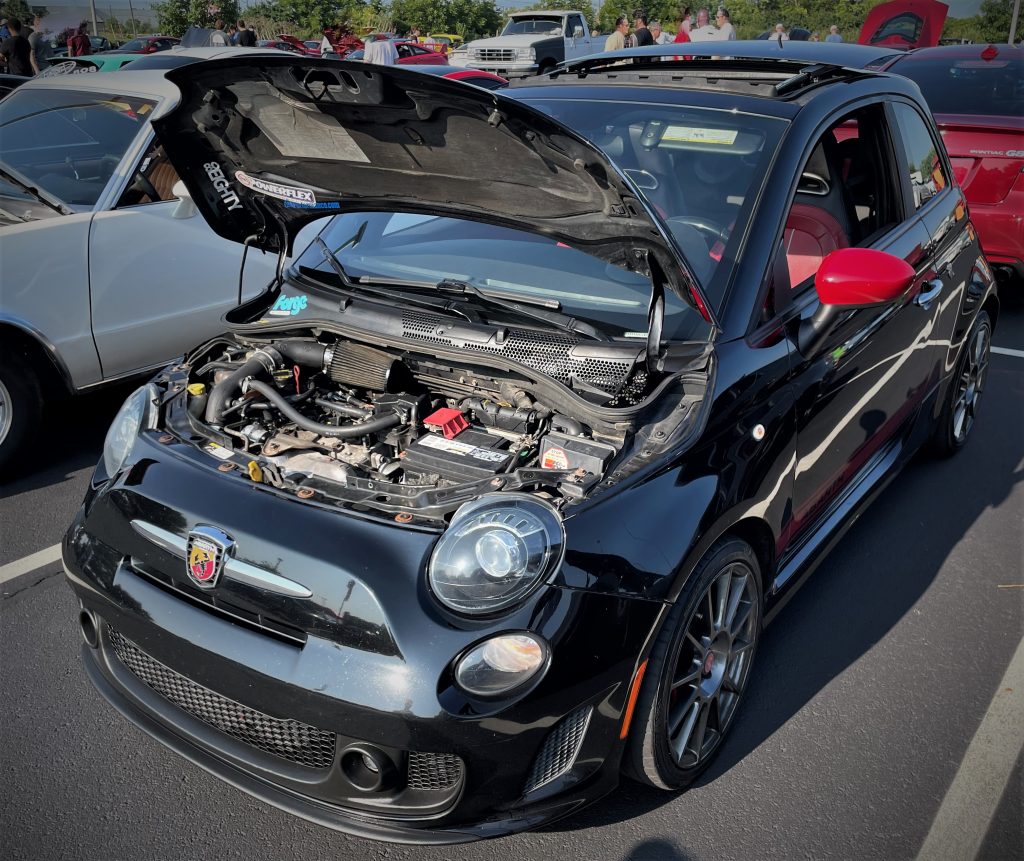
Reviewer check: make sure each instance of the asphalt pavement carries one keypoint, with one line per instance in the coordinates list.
(867, 692)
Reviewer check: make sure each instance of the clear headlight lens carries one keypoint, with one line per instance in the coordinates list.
(496, 551)
(526, 54)
(136, 413)
(500, 664)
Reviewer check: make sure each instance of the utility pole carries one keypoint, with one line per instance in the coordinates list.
(1013, 21)
(92, 8)
(131, 13)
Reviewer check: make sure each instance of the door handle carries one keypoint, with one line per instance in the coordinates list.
(928, 295)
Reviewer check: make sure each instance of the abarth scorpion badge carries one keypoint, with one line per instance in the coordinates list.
(207, 547)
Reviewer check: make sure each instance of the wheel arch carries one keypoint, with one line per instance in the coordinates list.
(42, 355)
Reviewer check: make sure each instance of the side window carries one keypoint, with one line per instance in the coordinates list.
(153, 182)
(574, 22)
(846, 196)
(922, 161)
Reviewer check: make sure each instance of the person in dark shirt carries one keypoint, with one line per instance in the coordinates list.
(17, 51)
(246, 37)
(641, 34)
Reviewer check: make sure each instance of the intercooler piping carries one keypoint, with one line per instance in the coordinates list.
(375, 425)
(262, 360)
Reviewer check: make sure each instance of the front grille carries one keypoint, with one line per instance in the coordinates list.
(494, 55)
(560, 749)
(289, 739)
(549, 353)
(433, 771)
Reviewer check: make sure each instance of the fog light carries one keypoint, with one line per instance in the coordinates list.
(501, 664)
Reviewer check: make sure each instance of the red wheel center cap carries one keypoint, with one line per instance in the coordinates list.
(709, 662)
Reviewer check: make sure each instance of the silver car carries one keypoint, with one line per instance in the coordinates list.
(108, 270)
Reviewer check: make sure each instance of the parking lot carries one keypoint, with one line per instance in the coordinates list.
(869, 689)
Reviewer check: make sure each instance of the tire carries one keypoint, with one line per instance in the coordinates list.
(710, 675)
(20, 407)
(965, 389)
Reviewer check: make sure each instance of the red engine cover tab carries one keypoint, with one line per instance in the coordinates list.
(450, 422)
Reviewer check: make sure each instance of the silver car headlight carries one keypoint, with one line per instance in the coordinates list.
(527, 54)
(137, 413)
(497, 550)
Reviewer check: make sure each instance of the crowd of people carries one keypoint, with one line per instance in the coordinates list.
(23, 50)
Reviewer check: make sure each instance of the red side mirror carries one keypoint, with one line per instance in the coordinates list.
(861, 277)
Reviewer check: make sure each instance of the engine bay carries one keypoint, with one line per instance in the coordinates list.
(330, 414)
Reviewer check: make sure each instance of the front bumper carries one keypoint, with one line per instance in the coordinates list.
(490, 769)
(506, 70)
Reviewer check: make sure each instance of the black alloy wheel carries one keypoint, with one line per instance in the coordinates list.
(698, 670)
(965, 390)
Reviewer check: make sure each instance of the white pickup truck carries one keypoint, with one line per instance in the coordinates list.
(532, 43)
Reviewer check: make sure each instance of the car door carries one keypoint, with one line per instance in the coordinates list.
(575, 47)
(858, 395)
(160, 283)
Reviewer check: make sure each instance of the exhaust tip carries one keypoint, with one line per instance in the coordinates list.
(90, 627)
(367, 768)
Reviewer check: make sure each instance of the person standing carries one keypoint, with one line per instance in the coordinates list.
(726, 32)
(617, 40)
(780, 34)
(16, 50)
(326, 46)
(659, 36)
(218, 38)
(833, 34)
(380, 50)
(246, 37)
(704, 31)
(5, 31)
(641, 35)
(79, 44)
(40, 46)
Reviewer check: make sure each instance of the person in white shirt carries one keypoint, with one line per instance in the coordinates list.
(726, 32)
(616, 41)
(705, 31)
(381, 50)
(218, 38)
(780, 33)
(660, 37)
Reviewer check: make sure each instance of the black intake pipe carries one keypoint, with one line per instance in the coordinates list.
(265, 360)
(288, 411)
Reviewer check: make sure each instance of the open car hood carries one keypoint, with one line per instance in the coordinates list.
(265, 149)
(904, 24)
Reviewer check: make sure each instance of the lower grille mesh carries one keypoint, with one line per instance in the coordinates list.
(560, 748)
(289, 739)
(433, 771)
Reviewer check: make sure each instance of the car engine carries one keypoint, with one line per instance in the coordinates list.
(344, 414)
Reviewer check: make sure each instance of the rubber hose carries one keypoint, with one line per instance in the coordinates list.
(217, 366)
(288, 411)
(262, 360)
(564, 423)
(307, 353)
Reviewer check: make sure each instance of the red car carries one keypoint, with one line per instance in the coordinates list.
(976, 94)
(410, 54)
(148, 45)
(300, 46)
(904, 24)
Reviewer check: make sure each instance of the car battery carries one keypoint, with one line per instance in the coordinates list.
(561, 451)
(470, 456)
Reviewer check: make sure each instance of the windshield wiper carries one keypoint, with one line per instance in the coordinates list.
(36, 193)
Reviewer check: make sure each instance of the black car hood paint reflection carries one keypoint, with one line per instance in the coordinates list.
(266, 149)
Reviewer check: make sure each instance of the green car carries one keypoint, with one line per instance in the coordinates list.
(88, 64)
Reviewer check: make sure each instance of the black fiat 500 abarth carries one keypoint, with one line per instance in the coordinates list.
(487, 500)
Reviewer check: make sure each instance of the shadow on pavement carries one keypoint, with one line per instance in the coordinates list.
(864, 588)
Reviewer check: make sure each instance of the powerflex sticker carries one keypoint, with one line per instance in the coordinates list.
(293, 193)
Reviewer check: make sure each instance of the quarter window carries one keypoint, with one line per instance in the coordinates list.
(922, 159)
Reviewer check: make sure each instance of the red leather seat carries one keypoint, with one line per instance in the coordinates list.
(810, 234)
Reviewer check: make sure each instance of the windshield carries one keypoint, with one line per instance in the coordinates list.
(906, 26)
(700, 169)
(547, 25)
(969, 86)
(135, 45)
(67, 142)
(502, 262)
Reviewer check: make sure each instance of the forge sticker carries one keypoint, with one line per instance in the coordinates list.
(291, 193)
(289, 306)
(222, 185)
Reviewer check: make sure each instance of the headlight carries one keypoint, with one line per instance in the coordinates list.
(526, 54)
(500, 664)
(137, 412)
(496, 551)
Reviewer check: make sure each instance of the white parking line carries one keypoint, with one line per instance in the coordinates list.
(1006, 351)
(29, 563)
(971, 801)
